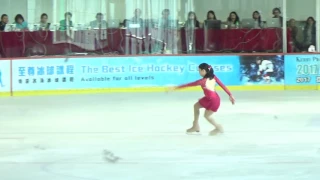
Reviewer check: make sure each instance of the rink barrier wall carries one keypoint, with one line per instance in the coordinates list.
(85, 75)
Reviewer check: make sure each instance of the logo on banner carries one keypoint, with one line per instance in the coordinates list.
(45, 74)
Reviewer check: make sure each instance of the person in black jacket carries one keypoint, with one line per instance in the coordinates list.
(309, 34)
(3, 22)
(192, 20)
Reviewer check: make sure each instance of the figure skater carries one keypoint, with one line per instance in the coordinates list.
(211, 100)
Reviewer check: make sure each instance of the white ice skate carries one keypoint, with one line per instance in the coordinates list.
(193, 131)
(217, 131)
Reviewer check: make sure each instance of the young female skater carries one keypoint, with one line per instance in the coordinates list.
(211, 100)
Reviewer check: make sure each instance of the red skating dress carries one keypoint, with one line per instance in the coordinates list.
(211, 100)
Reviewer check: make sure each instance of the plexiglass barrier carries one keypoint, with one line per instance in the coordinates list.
(133, 27)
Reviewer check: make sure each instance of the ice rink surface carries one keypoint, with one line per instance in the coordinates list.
(268, 136)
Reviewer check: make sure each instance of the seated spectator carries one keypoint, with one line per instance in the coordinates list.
(137, 17)
(233, 20)
(99, 22)
(257, 19)
(136, 20)
(3, 22)
(66, 23)
(125, 22)
(44, 25)
(277, 14)
(192, 21)
(294, 32)
(20, 23)
(165, 21)
(211, 15)
(309, 34)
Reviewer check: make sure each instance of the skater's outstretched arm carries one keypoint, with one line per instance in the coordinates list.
(195, 83)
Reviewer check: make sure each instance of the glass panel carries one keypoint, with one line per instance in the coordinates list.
(238, 26)
(130, 27)
(301, 25)
(11, 44)
(152, 27)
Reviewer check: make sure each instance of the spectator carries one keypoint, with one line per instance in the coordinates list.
(20, 23)
(165, 21)
(44, 25)
(294, 32)
(166, 14)
(277, 14)
(137, 17)
(135, 20)
(257, 18)
(3, 22)
(233, 20)
(211, 15)
(192, 21)
(309, 34)
(66, 23)
(125, 22)
(99, 22)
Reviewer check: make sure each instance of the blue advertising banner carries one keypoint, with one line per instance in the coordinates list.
(302, 69)
(118, 72)
(5, 76)
(152, 71)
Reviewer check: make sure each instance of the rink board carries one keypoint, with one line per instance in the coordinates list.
(82, 75)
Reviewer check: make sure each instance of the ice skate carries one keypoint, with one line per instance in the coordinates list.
(214, 132)
(218, 130)
(193, 130)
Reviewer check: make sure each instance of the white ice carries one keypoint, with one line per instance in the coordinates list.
(269, 136)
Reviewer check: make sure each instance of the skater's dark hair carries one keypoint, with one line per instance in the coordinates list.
(209, 70)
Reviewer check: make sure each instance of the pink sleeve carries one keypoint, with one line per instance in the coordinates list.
(195, 83)
(222, 86)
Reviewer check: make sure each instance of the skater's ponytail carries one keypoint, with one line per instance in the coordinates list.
(209, 70)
